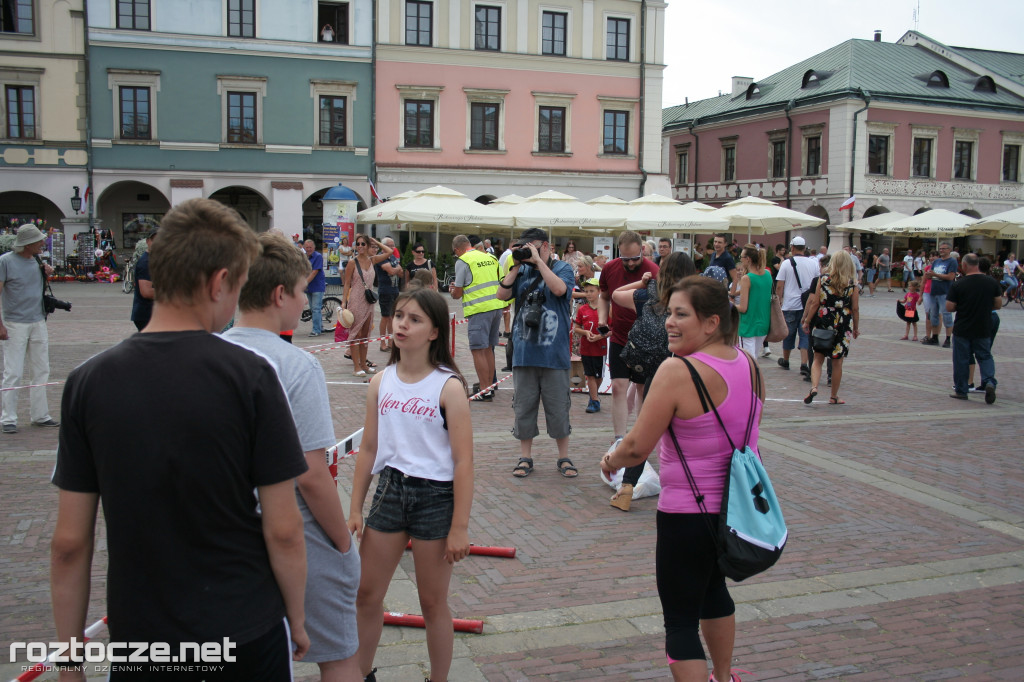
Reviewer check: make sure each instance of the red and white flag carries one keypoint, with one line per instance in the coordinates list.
(373, 191)
(848, 204)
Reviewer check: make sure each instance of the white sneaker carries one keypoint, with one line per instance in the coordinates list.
(766, 353)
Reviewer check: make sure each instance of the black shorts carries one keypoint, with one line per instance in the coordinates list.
(593, 365)
(387, 302)
(619, 369)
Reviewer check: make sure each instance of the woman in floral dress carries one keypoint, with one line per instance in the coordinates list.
(835, 305)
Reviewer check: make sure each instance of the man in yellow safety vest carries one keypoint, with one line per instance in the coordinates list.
(476, 283)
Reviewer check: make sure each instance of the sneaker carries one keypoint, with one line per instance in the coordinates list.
(314, 334)
(805, 370)
(958, 396)
(488, 396)
(506, 369)
(476, 389)
(767, 353)
(784, 364)
(593, 406)
(931, 341)
(47, 422)
(990, 394)
(946, 344)
(10, 428)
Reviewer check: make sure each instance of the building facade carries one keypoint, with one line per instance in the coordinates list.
(904, 126)
(43, 155)
(262, 105)
(519, 96)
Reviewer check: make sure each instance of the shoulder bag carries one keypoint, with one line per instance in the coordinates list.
(777, 327)
(370, 294)
(647, 344)
(751, 532)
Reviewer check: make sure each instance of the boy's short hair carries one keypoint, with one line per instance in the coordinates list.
(197, 238)
(279, 263)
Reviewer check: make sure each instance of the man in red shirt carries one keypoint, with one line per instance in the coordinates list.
(629, 267)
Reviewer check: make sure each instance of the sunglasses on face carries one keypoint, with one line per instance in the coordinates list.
(418, 251)
(361, 244)
(631, 258)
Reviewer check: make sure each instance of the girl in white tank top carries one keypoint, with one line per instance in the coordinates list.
(418, 438)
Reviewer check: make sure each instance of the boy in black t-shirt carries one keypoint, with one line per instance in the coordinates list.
(192, 556)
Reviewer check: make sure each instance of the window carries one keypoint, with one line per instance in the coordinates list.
(135, 114)
(242, 18)
(133, 14)
(616, 131)
(921, 163)
(16, 17)
(21, 112)
(878, 154)
(813, 166)
(1011, 163)
(419, 23)
(333, 111)
(683, 167)
(618, 40)
(779, 159)
(242, 118)
(938, 79)
(332, 22)
(963, 153)
(729, 163)
(553, 33)
(483, 125)
(488, 28)
(419, 123)
(551, 130)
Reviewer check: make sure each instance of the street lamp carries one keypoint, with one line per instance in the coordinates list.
(76, 202)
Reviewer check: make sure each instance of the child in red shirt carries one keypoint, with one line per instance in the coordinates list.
(593, 344)
(910, 302)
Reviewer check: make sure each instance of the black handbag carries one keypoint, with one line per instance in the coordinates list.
(647, 344)
(368, 293)
(823, 340)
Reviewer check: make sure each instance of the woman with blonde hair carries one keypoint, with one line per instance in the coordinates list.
(755, 305)
(835, 306)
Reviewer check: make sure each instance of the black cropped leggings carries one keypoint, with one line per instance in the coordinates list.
(690, 585)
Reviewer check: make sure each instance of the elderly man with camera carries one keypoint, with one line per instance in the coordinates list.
(23, 329)
(542, 287)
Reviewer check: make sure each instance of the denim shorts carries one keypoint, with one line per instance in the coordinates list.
(418, 506)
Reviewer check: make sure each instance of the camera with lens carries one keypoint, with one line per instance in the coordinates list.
(521, 254)
(533, 313)
(51, 303)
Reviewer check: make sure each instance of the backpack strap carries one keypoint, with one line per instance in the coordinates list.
(705, 395)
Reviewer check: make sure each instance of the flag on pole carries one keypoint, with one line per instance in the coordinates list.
(848, 204)
(373, 191)
(85, 197)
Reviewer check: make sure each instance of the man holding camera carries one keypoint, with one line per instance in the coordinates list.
(23, 329)
(542, 288)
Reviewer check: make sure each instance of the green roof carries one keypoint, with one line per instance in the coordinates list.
(1008, 64)
(887, 71)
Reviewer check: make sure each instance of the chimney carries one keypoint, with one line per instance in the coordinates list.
(740, 84)
(878, 35)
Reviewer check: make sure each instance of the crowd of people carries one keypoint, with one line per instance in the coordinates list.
(280, 574)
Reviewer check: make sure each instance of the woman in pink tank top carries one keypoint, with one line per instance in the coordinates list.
(702, 327)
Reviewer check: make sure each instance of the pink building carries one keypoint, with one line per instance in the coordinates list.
(493, 98)
(904, 126)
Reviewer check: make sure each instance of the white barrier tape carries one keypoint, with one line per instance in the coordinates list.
(15, 388)
(484, 390)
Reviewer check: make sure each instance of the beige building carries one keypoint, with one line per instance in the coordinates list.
(43, 154)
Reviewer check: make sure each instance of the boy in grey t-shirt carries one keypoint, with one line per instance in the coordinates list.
(270, 302)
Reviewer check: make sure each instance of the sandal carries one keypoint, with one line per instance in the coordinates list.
(810, 396)
(565, 465)
(384, 347)
(623, 497)
(371, 364)
(524, 468)
(836, 401)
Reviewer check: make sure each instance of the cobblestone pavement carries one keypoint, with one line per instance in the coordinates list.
(906, 514)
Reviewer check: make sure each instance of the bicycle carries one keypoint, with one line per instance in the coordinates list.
(129, 275)
(328, 309)
(1015, 294)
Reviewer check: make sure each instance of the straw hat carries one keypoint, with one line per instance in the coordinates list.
(346, 318)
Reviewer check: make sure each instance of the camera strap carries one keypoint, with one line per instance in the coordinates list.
(529, 290)
(46, 285)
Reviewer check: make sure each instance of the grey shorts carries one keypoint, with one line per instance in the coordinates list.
(418, 506)
(483, 329)
(533, 386)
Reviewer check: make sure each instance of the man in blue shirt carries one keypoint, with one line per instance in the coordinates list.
(724, 260)
(316, 284)
(942, 274)
(142, 303)
(543, 288)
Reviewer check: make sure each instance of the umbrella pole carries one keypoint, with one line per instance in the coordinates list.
(748, 230)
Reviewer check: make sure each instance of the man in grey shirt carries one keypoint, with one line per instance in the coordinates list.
(23, 329)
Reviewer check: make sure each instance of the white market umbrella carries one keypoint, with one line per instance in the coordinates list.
(761, 216)
(699, 206)
(937, 222)
(508, 199)
(657, 213)
(551, 210)
(1005, 225)
(873, 224)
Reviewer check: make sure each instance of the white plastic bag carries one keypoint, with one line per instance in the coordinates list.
(648, 485)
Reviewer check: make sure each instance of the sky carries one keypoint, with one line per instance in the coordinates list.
(707, 42)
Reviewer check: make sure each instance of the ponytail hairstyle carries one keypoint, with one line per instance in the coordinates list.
(435, 308)
(755, 255)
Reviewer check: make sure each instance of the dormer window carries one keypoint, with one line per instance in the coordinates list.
(938, 79)
(753, 91)
(811, 80)
(985, 84)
